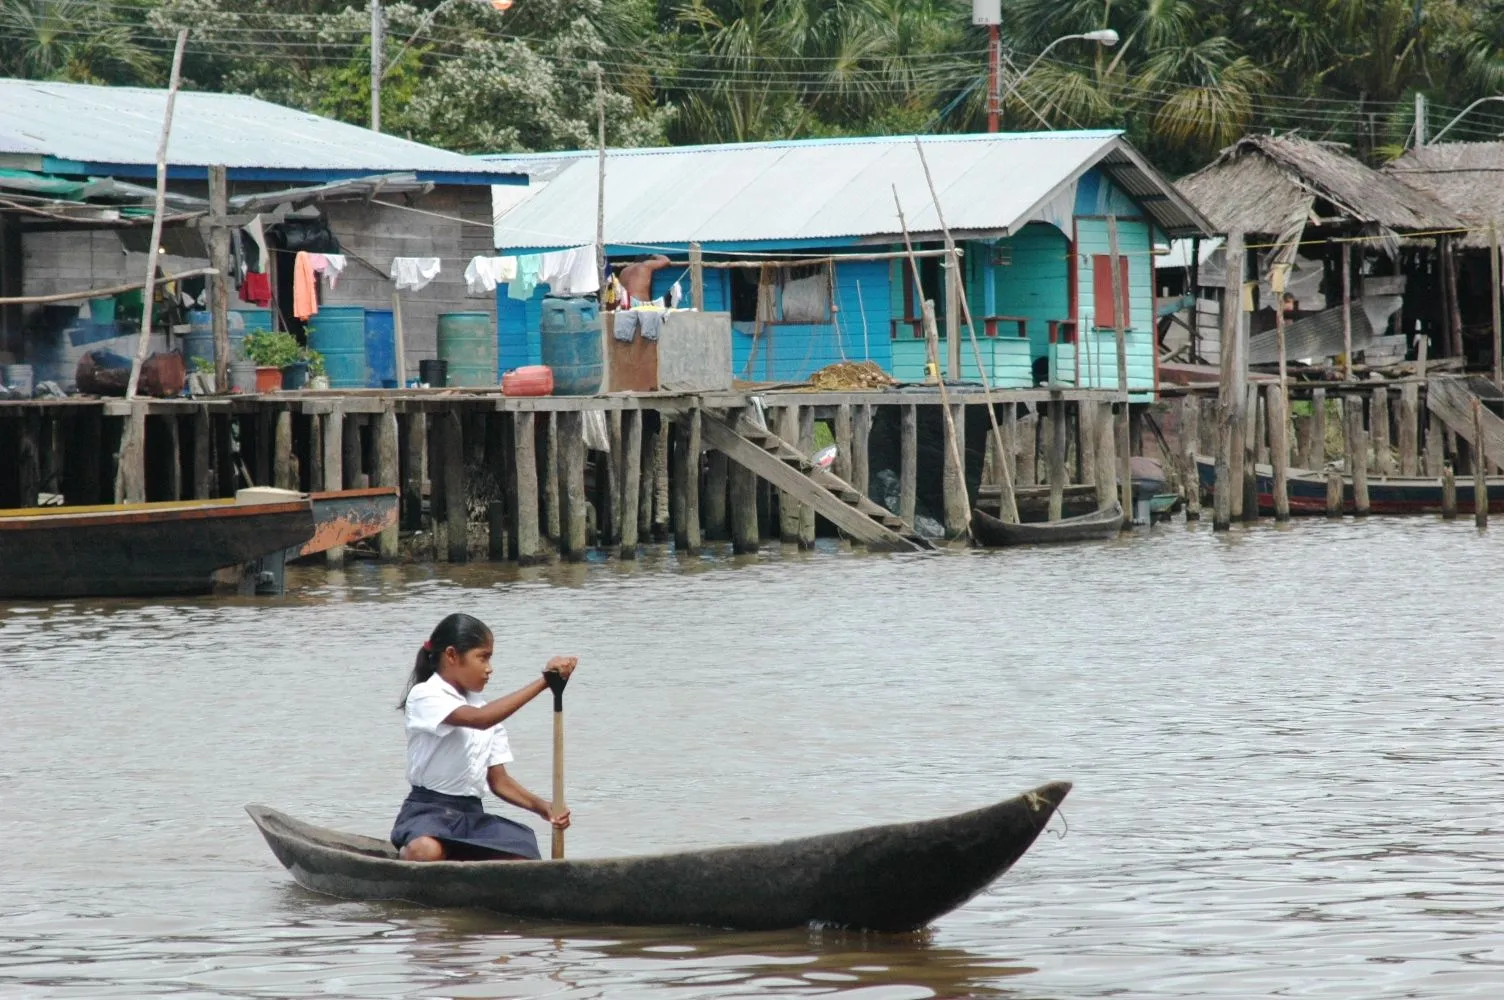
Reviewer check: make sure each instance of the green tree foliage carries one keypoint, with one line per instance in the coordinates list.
(1187, 76)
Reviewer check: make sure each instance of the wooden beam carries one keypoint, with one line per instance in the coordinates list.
(1451, 401)
(525, 521)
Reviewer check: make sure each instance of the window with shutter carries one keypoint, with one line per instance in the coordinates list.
(1105, 316)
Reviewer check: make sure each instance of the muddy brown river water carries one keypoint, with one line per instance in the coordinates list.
(1286, 745)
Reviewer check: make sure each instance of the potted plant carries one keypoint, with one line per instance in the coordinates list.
(201, 379)
(317, 374)
(271, 351)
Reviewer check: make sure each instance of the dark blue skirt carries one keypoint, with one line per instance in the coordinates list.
(461, 820)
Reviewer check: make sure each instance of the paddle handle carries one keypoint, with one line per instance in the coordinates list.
(558, 846)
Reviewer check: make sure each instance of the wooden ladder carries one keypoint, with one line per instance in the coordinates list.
(1451, 400)
(769, 457)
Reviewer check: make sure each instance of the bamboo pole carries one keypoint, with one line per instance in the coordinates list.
(1119, 301)
(219, 250)
(1009, 499)
(130, 478)
(932, 340)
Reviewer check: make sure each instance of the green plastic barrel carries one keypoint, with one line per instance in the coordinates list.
(467, 344)
(339, 334)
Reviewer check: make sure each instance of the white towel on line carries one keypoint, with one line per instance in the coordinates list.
(485, 273)
(413, 273)
(570, 272)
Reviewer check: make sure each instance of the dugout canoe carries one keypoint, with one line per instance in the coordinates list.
(882, 878)
(991, 532)
(1395, 495)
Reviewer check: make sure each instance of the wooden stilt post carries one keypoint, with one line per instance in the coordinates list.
(219, 284)
(1317, 458)
(1028, 448)
(354, 455)
(1383, 457)
(1262, 434)
(957, 502)
(1279, 451)
(807, 446)
(713, 504)
(203, 449)
(1119, 309)
(1480, 457)
(29, 458)
(687, 536)
(1250, 451)
(1333, 492)
(661, 489)
(1226, 504)
(282, 452)
(631, 488)
(908, 461)
(1448, 492)
(842, 431)
(551, 500)
(456, 486)
(1409, 429)
(744, 526)
(334, 475)
(1190, 414)
(1347, 310)
(570, 439)
(861, 434)
(1086, 442)
(525, 519)
(615, 476)
(1055, 416)
(387, 472)
(415, 438)
(1357, 454)
(1008, 431)
(1103, 446)
(788, 508)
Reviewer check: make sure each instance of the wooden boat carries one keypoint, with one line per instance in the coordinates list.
(883, 878)
(1386, 494)
(140, 550)
(995, 533)
(344, 517)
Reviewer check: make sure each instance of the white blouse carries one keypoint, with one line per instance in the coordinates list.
(449, 759)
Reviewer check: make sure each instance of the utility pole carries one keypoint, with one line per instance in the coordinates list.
(1420, 119)
(989, 13)
(378, 49)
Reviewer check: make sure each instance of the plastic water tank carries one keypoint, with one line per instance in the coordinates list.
(467, 344)
(381, 349)
(339, 334)
(571, 340)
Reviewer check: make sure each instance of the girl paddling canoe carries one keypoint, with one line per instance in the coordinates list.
(457, 746)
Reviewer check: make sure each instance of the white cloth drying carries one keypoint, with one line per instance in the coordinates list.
(485, 273)
(334, 266)
(413, 273)
(570, 272)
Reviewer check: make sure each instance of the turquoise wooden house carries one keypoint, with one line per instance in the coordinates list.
(795, 234)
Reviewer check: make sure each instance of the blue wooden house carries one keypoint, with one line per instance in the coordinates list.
(1031, 212)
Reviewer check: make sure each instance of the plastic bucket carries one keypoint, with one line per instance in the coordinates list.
(433, 373)
(18, 377)
(570, 333)
(243, 376)
(295, 376)
(339, 334)
(467, 345)
(381, 348)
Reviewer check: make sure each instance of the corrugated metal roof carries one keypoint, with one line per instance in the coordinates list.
(824, 189)
(121, 126)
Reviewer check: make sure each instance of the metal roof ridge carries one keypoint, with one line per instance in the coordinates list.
(947, 137)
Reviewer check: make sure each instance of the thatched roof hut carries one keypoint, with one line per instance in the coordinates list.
(1467, 177)
(1274, 187)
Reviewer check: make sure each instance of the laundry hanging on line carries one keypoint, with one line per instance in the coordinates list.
(570, 272)
(521, 287)
(305, 287)
(485, 273)
(330, 265)
(414, 273)
(257, 289)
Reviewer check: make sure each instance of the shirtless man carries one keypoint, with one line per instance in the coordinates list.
(637, 277)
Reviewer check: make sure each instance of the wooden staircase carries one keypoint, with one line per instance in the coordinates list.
(1451, 399)
(769, 457)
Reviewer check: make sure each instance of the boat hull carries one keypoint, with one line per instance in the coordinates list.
(349, 516)
(994, 533)
(886, 878)
(1396, 495)
(147, 550)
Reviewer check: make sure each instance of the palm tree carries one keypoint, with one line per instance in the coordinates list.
(71, 40)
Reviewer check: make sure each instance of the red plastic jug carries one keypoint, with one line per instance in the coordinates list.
(530, 380)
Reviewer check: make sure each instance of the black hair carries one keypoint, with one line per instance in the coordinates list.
(461, 631)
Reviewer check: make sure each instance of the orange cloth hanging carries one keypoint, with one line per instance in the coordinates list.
(305, 287)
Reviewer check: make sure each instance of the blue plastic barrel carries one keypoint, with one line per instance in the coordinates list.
(381, 348)
(467, 344)
(200, 340)
(339, 334)
(250, 321)
(571, 340)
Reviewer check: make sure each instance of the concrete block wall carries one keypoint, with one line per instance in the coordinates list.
(372, 234)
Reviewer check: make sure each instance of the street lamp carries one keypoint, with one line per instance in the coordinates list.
(1102, 36)
(380, 68)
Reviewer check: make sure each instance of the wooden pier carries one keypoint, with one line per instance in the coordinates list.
(482, 475)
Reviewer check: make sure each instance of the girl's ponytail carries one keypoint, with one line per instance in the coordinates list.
(460, 632)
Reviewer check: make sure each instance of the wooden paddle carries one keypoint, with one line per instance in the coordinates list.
(556, 682)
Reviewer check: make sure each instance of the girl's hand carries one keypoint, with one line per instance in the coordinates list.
(563, 665)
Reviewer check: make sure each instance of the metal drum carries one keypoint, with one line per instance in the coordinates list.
(339, 334)
(571, 340)
(467, 345)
